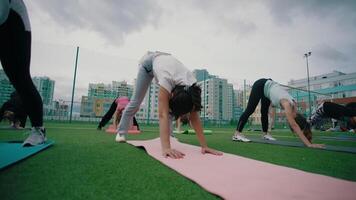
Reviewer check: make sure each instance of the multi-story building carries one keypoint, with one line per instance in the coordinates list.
(100, 97)
(149, 108)
(338, 86)
(45, 87)
(58, 109)
(217, 99)
(5, 88)
(122, 88)
(238, 104)
(202, 74)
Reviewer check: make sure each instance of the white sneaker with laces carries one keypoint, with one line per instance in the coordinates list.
(120, 138)
(268, 137)
(240, 138)
(37, 136)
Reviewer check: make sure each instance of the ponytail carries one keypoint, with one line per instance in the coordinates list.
(185, 99)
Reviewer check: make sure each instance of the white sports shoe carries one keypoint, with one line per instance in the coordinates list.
(268, 137)
(120, 137)
(240, 138)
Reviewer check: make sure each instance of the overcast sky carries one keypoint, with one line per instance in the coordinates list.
(234, 39)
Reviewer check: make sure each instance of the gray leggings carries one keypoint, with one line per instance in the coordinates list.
(143, 81)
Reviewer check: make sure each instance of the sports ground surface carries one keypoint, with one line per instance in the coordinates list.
(87, 164)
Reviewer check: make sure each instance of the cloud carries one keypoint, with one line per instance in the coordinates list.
(329, 53)
(284, 11)
(226, 14)
(114, 19)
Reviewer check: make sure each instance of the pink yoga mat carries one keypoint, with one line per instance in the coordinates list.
(235, 177)
(111, 129)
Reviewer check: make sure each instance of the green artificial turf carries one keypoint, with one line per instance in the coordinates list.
(87, 164)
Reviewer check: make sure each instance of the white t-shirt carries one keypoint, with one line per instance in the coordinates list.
(170, 72)
(19, 7)
(274, 92)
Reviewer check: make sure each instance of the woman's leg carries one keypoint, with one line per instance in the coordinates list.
(336, 111)
(265, 103)
(135, 123)
(108, 115)
(143, 81)
(15, 53)
(255, 96)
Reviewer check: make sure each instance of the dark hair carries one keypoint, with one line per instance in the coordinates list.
(184, 119)
(304, 126)
(185, 99)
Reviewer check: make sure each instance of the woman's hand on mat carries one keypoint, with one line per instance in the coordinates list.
(205, 150)
(316, 145)
(172, 153)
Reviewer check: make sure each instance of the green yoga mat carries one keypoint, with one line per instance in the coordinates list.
(192, 132)
(12, 152)
(299, 144)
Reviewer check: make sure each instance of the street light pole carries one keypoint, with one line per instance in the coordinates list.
(306, 55)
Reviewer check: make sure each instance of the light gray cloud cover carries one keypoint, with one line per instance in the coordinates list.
(233, 39)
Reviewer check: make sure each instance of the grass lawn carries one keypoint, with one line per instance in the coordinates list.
(87, 164)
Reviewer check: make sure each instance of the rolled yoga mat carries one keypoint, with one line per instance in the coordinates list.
(235, 177)
(13, 152)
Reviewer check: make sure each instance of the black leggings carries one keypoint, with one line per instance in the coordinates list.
(15, 54)
(337, 111)
(256, 95)
(108, 115)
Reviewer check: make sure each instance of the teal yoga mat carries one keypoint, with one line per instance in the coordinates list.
(12, 152)
(299, 144)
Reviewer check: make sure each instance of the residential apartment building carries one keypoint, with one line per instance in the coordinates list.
(217, 99)
(5, 87)
(45, 87)
(101, 96)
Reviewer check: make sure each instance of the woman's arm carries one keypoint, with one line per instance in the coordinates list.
(290, 115)
(164, 126)
(196, 123)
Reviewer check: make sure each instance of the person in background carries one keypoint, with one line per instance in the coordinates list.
(336, 112)
(116, 109)
(14, 111)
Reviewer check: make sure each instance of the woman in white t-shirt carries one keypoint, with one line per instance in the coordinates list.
(178, 95)
(270, 92)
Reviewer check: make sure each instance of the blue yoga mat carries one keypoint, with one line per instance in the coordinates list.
(12, 152)
(299, 144)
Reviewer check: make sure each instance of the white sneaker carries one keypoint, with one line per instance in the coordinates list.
(240, 138)
(268, 137)
(37, 136)
(120, 137)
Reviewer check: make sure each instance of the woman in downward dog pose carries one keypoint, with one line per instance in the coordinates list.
(270, 92)
(178, 95)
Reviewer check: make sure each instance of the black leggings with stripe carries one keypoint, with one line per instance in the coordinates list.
(15, 54)
(256, 95)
